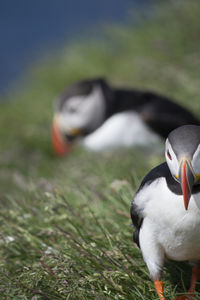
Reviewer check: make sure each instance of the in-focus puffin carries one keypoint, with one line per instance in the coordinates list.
(166, 209)
(107, 116)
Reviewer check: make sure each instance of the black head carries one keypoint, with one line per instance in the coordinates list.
(82, 88)
(182, 152)
(185, 140)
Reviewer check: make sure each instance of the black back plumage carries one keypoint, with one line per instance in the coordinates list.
(160, 113)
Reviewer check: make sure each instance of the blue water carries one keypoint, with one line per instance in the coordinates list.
(30, 28)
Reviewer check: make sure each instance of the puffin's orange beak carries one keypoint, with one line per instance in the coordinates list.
(187, 179)
(60, 145)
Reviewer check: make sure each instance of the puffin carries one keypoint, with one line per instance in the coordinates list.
(102, 117)
(165, 210)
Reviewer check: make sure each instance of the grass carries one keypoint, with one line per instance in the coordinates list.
(65, 226)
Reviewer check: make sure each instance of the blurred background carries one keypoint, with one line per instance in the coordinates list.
(31, 29)
(45, 250)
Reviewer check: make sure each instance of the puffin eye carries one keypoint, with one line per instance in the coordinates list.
(169, 155)
(71, 110)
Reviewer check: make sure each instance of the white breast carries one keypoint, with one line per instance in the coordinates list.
(167, 221)
(121, 130)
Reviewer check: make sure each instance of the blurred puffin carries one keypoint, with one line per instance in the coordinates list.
(166, 209)
(111, 117)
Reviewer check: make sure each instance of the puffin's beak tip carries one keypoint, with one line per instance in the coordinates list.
(186, 207)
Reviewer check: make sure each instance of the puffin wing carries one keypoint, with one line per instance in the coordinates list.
(137, 207)
(163, 115)
(137, 220)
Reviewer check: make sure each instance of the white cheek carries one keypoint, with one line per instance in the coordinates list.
(88, 111)
(173, 166)
(196, 161)
(93, 110)
(172, 163)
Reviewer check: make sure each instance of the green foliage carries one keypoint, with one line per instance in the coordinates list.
(65, 226)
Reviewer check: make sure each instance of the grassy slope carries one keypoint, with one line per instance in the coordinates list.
(71, 227)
